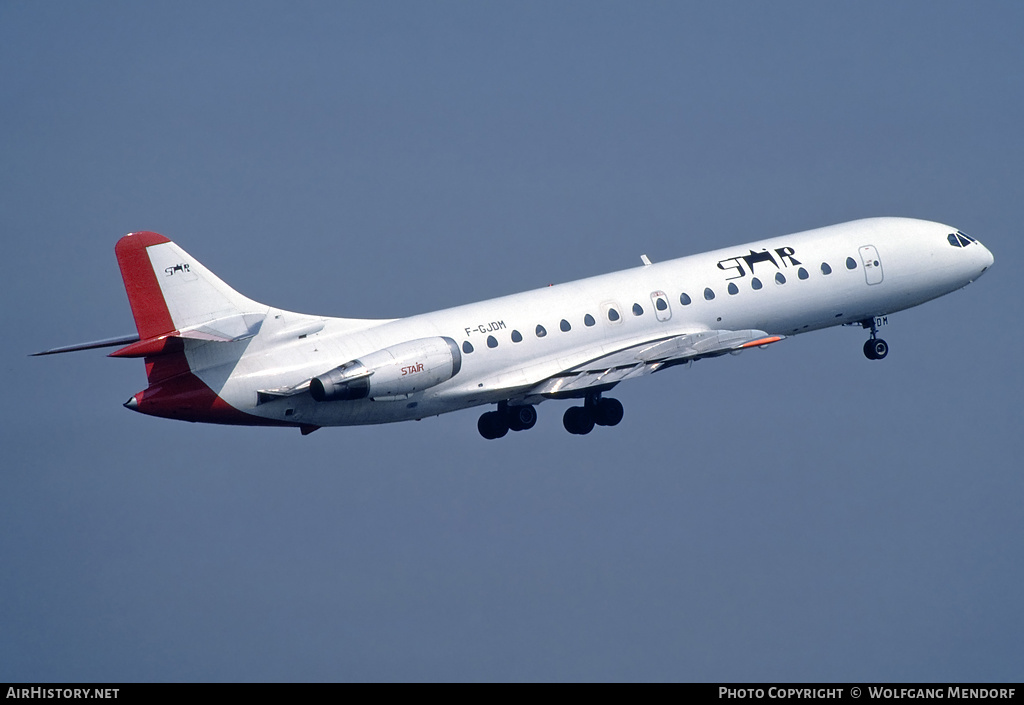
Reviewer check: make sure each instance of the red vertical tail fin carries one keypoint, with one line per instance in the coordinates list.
(152, 318)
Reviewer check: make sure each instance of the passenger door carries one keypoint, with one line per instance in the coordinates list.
(872, 264)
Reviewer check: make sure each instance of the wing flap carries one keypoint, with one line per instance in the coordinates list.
(649, 357)
(582, 380)
(706, 343)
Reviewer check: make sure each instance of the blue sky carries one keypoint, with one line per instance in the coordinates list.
(793, 514)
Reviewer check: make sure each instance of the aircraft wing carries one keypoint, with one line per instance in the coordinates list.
(646, 358)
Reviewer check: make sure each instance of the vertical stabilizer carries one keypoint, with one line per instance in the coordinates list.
(170, 292)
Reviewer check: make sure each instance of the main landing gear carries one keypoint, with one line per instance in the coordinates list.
(495, 424)
(580, 420)
(875, 348)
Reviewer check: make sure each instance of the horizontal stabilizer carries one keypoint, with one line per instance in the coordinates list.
(105, 343)
(223, 330)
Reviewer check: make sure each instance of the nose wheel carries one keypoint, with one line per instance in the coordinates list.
(875, 348)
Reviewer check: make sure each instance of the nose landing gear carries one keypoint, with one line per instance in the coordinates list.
(875, 348)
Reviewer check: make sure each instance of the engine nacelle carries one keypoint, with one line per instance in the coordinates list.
(392, 372)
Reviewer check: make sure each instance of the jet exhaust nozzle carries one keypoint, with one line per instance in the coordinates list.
(348, 382)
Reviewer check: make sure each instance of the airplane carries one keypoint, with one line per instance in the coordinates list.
(213, 355)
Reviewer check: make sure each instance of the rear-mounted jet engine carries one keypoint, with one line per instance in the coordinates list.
(397, 371)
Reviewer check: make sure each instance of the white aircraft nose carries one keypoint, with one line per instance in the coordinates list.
(989, 258)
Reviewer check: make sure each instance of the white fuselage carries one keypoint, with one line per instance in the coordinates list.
(915, 263)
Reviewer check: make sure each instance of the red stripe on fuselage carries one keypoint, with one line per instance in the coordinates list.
(185, 397)
(147, 301)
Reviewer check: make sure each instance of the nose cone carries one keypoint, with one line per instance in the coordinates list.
(981, 259)
(987, 258)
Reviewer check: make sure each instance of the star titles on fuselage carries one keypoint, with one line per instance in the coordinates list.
(779, 254)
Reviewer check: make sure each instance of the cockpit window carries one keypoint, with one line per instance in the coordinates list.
(959, 239)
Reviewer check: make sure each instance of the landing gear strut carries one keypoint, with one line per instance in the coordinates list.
(580, 420)
(875, 348)
(495, 424)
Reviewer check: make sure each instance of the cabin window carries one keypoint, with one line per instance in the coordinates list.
(851, 263)
(733, 289)
(588, 320)
(660, 304)
(708, 294)
(540, 331)
(780, 278)
(802, 273)
(564, 325)
(638, 310)
(467, 347)
(755, 284)
(517, 337)
(492, 342)
(825, 269)
(684, 299)
(613, 315)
